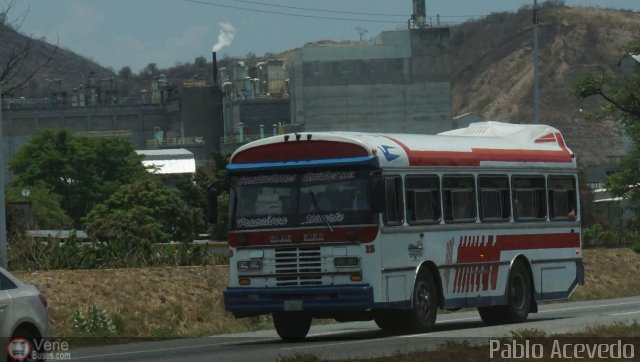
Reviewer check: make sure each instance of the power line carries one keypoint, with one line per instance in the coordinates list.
(345, 11)
(320, 10)
(209, 3)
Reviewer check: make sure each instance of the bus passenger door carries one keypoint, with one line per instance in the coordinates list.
(394, 244)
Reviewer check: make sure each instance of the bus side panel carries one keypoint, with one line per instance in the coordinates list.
(557, 279)
(474, 265)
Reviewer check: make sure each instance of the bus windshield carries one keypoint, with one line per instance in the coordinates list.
(334, 197)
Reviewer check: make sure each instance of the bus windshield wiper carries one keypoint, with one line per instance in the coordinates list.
(315, 204)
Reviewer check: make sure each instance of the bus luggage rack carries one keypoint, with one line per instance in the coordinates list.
(298, 266)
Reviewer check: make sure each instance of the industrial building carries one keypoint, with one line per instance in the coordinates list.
(400, 81)
(168, 117)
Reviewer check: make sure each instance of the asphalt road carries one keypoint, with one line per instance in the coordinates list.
(364, 339)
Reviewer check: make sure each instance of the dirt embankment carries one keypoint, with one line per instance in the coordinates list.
(187, 301)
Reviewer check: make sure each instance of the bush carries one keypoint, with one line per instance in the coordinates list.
(96, 322)
(26, 253)
(597, 235)
(636, 247)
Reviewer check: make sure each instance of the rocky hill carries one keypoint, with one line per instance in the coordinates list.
(493, 70)
(72, 69)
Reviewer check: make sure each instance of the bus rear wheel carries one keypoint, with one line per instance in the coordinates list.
(292, 327)
(518, 294)
(492, 315)
(518, 299)
(424, 304)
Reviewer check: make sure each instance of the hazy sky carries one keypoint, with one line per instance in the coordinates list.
(116, 33)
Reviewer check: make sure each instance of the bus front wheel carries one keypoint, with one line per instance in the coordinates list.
(425, 303)
(291, 327)
(391, 320)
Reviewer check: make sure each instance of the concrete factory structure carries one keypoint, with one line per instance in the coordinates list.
(398, 82)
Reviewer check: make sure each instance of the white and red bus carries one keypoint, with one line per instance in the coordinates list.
(391, 227)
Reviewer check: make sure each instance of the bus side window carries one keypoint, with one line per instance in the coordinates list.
(494, 198)
(459, 199)
(529, 201)
(562, 198)
(394, 206)
(423, 199)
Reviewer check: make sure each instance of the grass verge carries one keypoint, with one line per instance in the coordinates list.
(187, 301)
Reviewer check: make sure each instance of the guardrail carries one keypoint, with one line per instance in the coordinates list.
(238, 139)
(175, 141)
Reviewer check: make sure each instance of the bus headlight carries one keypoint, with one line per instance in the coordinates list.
(245, 265)
(346, 261)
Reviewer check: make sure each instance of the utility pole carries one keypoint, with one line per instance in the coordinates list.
(536, 90)
(3, 211)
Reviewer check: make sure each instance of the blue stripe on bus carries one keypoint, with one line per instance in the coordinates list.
(368, 160)
(247, 301)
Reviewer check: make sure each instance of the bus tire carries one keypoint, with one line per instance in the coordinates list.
(518, 294)
(424, 308)
(292, 327)
(391, 320)
(492, 315)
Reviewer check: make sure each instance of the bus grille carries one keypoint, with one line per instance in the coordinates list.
(298, 266)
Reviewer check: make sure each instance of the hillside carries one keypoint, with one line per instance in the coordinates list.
(65, 65)
(493, 70)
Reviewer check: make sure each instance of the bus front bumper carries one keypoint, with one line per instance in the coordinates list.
(246, 302)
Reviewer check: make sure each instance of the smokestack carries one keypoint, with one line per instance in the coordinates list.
(215, 68)
(419, 15)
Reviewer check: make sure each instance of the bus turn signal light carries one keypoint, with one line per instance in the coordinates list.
(245, 281)
(356, 277)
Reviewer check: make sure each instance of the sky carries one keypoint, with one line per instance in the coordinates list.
(117, 33)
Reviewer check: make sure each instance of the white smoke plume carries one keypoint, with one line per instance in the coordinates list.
(225, 37)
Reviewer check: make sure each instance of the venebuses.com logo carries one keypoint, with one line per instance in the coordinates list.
(19, 349)
(41, 349)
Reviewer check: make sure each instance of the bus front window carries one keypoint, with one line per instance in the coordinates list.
(300, 199)
(337, 197)
(263, 201)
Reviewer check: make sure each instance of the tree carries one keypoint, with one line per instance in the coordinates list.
(622, 95)
(142, 213)
(19, 60)
(82, 171)
(200, 62)
(149, 71)
(45, 206)
(192, 189)
(125, 72)
(219, 229)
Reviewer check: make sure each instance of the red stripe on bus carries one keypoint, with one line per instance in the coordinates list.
(478, 155)
(538, 241)
(477, 250)
(299, 151)
(363, 234)
(549, 137)
(470, 250)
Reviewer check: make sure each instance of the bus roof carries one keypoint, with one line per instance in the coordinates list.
(494, 144)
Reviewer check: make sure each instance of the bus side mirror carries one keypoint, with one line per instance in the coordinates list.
(213, 191)
(377, 194)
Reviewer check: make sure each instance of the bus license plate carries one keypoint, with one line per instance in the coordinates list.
(292, 305)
